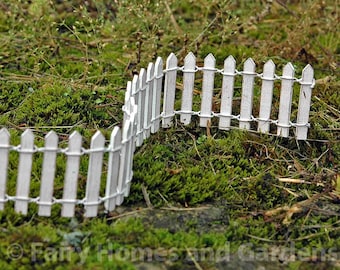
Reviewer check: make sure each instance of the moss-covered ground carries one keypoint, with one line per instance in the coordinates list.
(200, 198)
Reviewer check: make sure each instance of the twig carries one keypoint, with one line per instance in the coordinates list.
(146, 197)
(172, 18)
(193, 259)
(128, 214)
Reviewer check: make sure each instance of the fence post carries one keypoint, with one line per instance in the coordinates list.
(306, 82)
(94, 174)
(73, 154)
(156, 99)
(48, 174)
(286, 95)
(4, 150)
(207, 89)
(150, 77)
(113, 168)
(247, 93)
(169, 90)
(266, 96)
(24, 173)
(227, 93)
(188, 87)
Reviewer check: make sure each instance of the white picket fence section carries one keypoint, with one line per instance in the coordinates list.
(143, 116)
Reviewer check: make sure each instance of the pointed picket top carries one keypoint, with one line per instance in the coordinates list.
(269, 69)
(51, 138)
(75, 140)
(4, 137)
(128, 91)
(288, 71)
(150, 71)
(171, 61)
(308, 74)
(190, 59)
(229, 65)
(135, 85)
(142, 78)
(209, 61)
(159, 66)
(97, 139)
(27, 139)
(249, 65)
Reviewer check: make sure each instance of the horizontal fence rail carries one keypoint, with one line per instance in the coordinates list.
(150, 100)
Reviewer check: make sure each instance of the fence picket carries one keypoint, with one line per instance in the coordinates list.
(287, 81)
(48, 174)
(207, 89)
(4, 150)
(141, 107)
(247, 93)
(24, 172)
(227, 93)
(135, 91)
(130, 158)
(113, 169)
(266, 96)
(169, 91)
(71, 176)
(188, 87)
(304, 102)
(150, 77)
(156, 99)
(94, 174)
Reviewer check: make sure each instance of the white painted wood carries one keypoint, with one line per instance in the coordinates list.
(266, 96)
(124, 161)
(24, 172)
(169, 91)
(48, 174)
(126, 106)
(150, 78)
(130, 150)
(286, 95)
(157, 92)
(135, 95)
(304, 102)
(188, 87)
(207, 89)
(141, 107)
(227, 93)
(94, 174)
(113, 168)
(71, 176)
(247, 93)
(4, 150)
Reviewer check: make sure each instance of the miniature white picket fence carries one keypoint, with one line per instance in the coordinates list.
(143, 116)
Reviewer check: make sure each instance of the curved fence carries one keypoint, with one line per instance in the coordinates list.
(155, 88)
